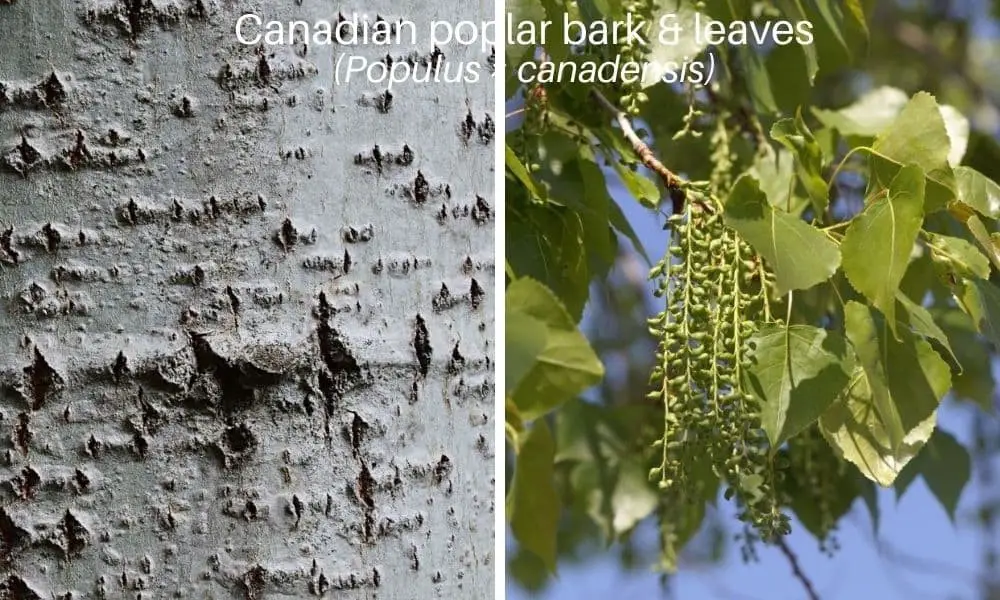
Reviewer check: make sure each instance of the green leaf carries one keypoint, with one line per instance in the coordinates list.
(986, 241)
(856, 17)
(776, 173)
(818, 507)
(918, 136)
(524, 340)
(621, 224)
(688, 45)
(566, 366)
(868, 116)
(981, 300)
(958, 256)
(595, 215)
(607, 476)
(834, 17)
(757, 79)
(975, 382)
(945, 466)
(519, 171)
(977, 191)
(957, 127)
(857, 433)
(641, 188)
(557, 50)
(877, 245)
(795, 135)
(532, 503)
(795, 12)
(919, 320)
(800, 255)
(904, 375)
(797, 372)
(544, 242)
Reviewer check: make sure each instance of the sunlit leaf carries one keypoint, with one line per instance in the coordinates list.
(877, 245)
(800, 255)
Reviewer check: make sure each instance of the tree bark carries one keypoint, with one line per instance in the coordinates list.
(246, 321)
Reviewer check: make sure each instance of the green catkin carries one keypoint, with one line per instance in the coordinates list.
(715, 293)
(633, 97)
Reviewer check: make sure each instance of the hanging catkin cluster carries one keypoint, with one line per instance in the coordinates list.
(711, 281)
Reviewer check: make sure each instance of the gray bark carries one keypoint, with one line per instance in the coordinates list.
(246, 315)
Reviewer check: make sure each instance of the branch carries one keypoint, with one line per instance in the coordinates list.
(672, 181)
(797, 571)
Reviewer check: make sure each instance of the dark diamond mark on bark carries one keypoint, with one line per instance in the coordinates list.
(476, 294)
(358, 430)
(383, 102)
(22, 432)
(12, 538)
(366, 495)
(73, 536)
(287, 236)
(16, 588)
(120, 370)
(468, 127)
(481, 212)
(442, 300)
(52, 237)
(486, 130)
(339, 362)
(457, 361)
(26, 483)
(235, 395)
(7, 252)
(81, 480)
(94, 447)
(52, 91)
(253, 583)
(421, 188)
(79, 154)
(442, 469)
(422, 346)
(42, 381)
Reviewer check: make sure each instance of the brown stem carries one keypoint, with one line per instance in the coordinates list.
(645, 154)
(797, 571)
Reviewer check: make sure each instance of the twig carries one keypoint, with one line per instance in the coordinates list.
(797, 571)
(643, 151)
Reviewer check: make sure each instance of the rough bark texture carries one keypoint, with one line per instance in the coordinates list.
(246, 319)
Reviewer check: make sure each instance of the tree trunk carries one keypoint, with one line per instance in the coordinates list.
(246, 322)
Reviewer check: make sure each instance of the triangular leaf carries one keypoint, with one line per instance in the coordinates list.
(566, 366)
(800, 255)
(856, 432)
(796, 372)
(977, 191)
(904, 375)
(945, 466)
(918, 136)
(877, 245)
